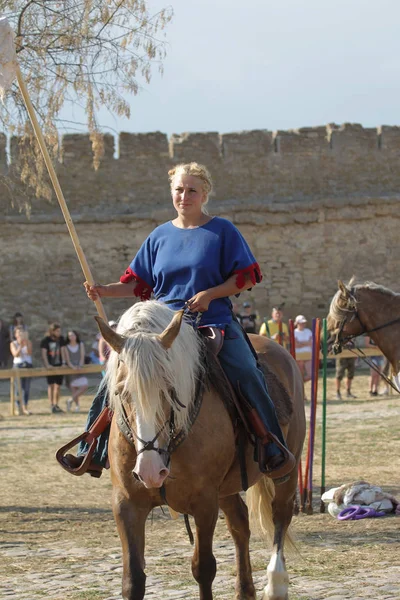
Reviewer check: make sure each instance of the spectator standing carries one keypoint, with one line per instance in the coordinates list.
(21, 350)
(379, 362)
(17, 321)
(74, 356)
(343, 365)
(303, 344)
(248, 318)
(104, 348)
(94, 351)
(235, 309)
(51, 355)
(386, 372)
(4, 344)
(275, 327)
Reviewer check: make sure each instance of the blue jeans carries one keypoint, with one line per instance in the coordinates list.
(25, 387)
(240, 365)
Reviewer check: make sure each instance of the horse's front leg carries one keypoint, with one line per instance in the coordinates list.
(237, 519)
(204, 566)
(130, 521)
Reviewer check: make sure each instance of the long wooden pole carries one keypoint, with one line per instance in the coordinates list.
(57, 188)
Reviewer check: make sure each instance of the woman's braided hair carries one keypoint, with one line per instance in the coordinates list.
(196, 170)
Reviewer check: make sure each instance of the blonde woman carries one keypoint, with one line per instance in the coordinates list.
(21, 350)
(203, 260)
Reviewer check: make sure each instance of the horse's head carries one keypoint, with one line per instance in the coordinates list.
(342, 321)
(143, 377)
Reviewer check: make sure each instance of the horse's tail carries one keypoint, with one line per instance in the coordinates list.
(259, 503)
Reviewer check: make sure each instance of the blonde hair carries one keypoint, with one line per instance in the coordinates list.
(195, 170)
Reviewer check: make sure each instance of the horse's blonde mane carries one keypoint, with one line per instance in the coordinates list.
(152, 372)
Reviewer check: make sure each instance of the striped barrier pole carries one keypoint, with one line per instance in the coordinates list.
(313, 414)
(307, 467)
(280, 334)
(324, 406)
(292, 347)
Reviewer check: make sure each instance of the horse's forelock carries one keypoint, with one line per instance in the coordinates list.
(338, 309)
(153, 373)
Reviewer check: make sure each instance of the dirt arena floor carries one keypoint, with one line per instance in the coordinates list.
(58, 540)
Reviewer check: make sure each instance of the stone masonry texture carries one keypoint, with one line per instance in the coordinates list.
(315, 204)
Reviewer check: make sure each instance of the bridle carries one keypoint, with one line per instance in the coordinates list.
(337, 345)
(339, 342)
(175, 437)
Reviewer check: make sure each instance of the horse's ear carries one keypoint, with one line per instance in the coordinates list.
(112, 338)
(342, 287)
(167, 337)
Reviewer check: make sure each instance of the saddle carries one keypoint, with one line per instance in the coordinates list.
(248, 425)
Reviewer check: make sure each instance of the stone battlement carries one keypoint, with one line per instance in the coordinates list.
(315, 205)
(302, 164)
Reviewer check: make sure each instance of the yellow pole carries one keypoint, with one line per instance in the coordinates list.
(12, 395)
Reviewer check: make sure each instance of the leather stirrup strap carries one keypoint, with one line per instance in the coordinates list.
(90, 437)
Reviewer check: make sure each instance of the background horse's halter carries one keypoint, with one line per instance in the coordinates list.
(352, 307)
(337, 346)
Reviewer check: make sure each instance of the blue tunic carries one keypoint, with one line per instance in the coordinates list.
(175, 263)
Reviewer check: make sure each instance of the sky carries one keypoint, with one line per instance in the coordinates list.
(260, 64)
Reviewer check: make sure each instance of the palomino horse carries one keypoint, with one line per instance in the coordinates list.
(155, 372)
(368, 308)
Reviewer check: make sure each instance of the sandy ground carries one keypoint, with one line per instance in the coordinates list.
(59, 541)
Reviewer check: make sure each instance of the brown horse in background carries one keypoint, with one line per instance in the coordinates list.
(155, 370)
(368, 308)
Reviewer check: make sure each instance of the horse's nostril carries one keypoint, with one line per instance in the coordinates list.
(136, 476)
(164, 472)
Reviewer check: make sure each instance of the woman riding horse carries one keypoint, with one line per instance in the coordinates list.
(200, 260)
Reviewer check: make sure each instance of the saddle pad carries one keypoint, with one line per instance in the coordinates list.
(279, 395)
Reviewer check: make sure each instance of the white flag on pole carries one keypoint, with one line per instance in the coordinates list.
(8, 57)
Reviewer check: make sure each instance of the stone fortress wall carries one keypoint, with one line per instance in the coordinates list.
(316, 204)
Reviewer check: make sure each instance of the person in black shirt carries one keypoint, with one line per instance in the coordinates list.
(51, 355)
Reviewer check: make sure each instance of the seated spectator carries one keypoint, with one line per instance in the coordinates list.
(379, 362)
(51, 355)
(275, 328)
(4, 344)
(21, 350)
(248, 318)
(303, 344)
(74, 356)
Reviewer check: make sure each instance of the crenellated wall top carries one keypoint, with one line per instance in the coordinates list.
(300, 164)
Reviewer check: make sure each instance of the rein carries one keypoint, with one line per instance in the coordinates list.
(369, 362)
(195, 321)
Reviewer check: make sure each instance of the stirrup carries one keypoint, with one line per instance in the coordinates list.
(85, 464)
(90, 437)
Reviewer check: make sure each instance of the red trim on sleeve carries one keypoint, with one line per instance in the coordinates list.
(255, 275)
(142, 290)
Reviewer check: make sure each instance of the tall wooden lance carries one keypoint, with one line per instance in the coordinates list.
(9, 70)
